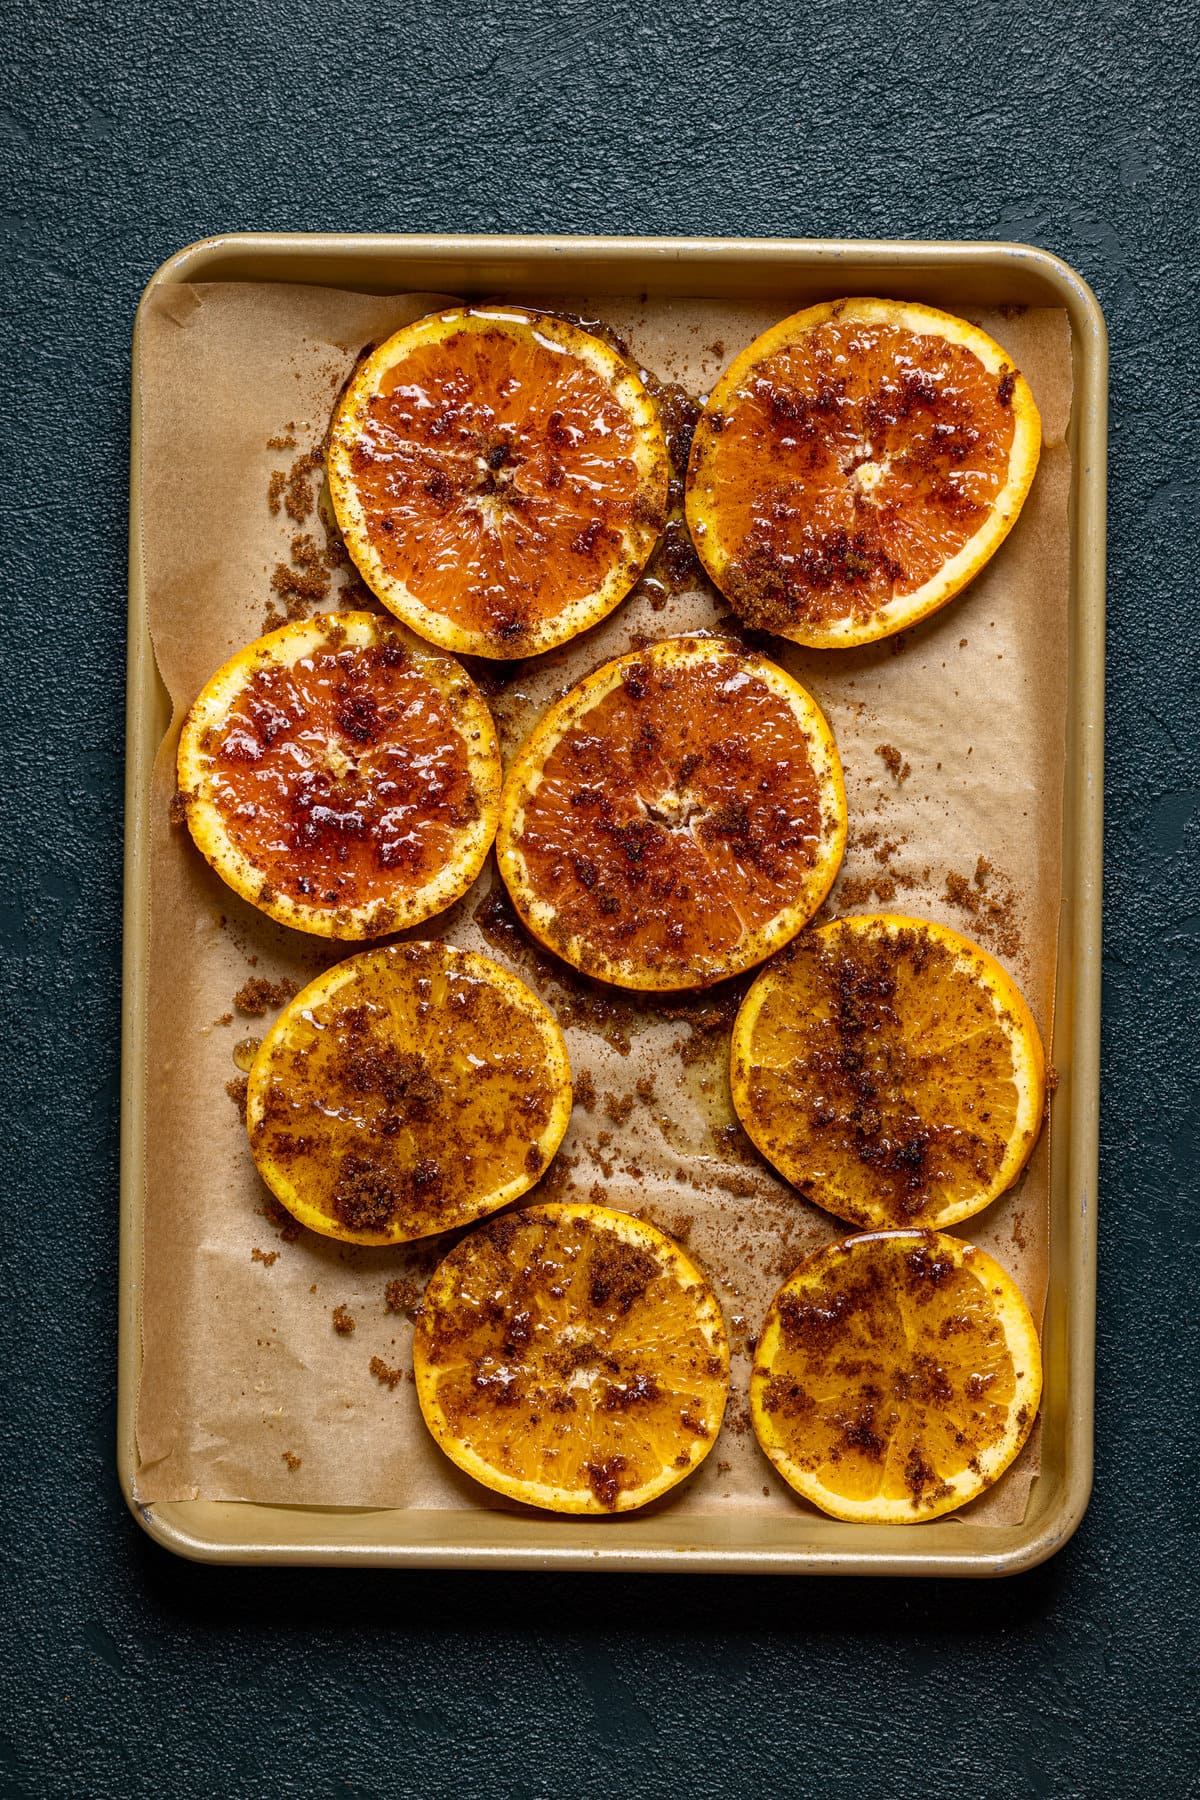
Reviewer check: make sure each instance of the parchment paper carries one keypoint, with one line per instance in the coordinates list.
(952, 741)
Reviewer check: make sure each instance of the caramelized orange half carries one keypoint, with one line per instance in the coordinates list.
(856, 466)
(407, 1091)
(897, 1376)
(674, 819)
(573, 1358)
(890, 1069)
(342, 777)
(500, 478)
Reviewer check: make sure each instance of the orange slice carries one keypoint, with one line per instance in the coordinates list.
(897, 1375)
(343, 778)
(573, 1358)
(856, 466)
(407, 1091)
(674, 819)
(500, 478)
(890, 1070)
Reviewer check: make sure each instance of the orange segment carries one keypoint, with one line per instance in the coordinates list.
(407, 1091)
(674, 819)
(573, 1358)
(342, 777)
(890, 1069)
(897, 1376)
(500, 478)
(856, 466)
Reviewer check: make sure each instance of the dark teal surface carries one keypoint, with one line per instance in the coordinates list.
(128, 130)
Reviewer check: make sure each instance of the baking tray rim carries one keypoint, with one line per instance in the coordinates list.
(217, 1531)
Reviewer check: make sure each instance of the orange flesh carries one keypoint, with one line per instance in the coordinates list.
(343, 777)
(879, 1080)
(406, 1098)
(680, 814)
(891, 1370)
(563, 1354)
(497, 478)
(852, 464)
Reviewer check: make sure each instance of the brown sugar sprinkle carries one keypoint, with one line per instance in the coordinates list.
(894, 762)
(292, 488)
(644, 1088)
(266, 1257)
(282, 441)
(585, 1091)
(288, 1228)
(302, 584)
(177, 812)
(293, 1462)
(387, 1377)
(992, 911)
(258, 996)
(344, 1321)
(402, 1295)
(1052, 1079)
(618, 1109)
(237, 1089)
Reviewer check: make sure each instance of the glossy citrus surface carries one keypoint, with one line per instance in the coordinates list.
(856, 466)
(406, 1091)
(499, 476)
(890, 1069)
(341, 776)
(572, 1357)
(674, 819)
(896, 1376)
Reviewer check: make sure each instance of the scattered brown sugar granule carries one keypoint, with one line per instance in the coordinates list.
(288, 1228)
(402, 1295)
(992, 911)
(618, 1108)
(343, 1319)
(237, 1089)
(293, 488)
(645, 1089)
(257, 996)
(1051, 1079)
(585, 1091)
(894, 762)
(283, 441)
(959, 892)
(301, 584)
(226, 1018)
(293, 1462)
(265, 1257)
(177, 811)
(388, 1378)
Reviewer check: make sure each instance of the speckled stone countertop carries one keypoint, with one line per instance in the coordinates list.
(124, 134)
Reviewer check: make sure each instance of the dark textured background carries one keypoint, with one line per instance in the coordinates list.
(127, 132)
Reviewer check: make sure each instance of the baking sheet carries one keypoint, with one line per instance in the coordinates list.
(248, 1389)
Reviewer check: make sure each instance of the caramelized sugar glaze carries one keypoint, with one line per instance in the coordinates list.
(883, 1077)
(897, 1375)
(409, 1090)
(572, 1357)
(340, 770)
(846, 468)
(672, 813)
(501, 470)
(342, 778)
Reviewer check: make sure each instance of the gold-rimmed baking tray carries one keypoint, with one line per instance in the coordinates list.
(792, 273)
